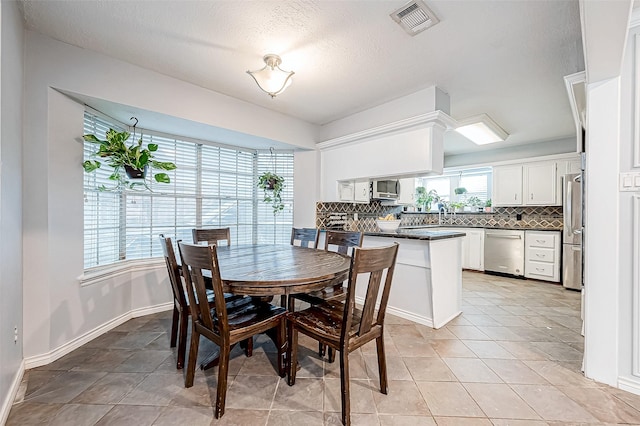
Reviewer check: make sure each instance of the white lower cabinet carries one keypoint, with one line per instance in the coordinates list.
(542, 255)
(472, 247)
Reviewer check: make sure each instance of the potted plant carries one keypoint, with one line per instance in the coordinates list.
(272, 186)
(457, 206)
(487, 206)
(460, 190)
(421, 197)
(475, 202)
(424, 199)
(134, 159)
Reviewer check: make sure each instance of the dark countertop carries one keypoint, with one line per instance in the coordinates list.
(414, 227)
(418, 234)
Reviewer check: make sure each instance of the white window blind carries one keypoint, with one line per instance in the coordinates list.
(212, 186)
(275, 229)
(477, 182)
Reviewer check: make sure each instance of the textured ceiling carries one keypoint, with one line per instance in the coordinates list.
(503, 58)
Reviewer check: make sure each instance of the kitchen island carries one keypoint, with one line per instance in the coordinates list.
(427, 283)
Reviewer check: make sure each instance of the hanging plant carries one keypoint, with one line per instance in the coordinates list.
(133, 159)
(272, 186)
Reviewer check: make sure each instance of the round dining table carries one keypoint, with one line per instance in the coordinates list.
(268, 270)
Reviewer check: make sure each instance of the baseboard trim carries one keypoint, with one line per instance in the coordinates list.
(11, 395)
(446, 321)
(60, 351)
(629, 384)
(402, 313)
(410, 316)
(140, 312)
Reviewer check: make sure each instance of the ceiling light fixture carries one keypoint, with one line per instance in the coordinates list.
(272, 79)
(481, 130)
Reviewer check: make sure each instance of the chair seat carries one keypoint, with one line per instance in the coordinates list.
(325, 320)
(244, 312)
(337, 293)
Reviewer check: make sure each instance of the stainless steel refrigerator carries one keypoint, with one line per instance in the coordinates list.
(572, 255)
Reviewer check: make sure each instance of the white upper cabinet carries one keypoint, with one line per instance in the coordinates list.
(540, 183)
(407, 191)
(353, 191)
(507, 186)
(361, 194)
(532, 184)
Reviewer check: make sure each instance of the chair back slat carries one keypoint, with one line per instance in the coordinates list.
(342, 241)
(195, 260)
(373, 288)
(306, 237)
(173, 269)
(211, 235)
(378, 263)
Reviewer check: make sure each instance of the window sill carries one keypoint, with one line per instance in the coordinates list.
(100, 273)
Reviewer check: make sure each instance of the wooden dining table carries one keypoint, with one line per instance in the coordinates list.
(263, 270)
(271, 270)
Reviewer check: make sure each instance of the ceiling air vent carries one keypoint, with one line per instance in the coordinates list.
(415, 17)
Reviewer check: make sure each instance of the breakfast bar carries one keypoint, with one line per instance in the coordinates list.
(427, 283)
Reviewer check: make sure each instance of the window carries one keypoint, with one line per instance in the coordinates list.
(477, 182)
(213, 186)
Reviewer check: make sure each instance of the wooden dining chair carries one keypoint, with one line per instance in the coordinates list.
(304, 237)
(227, 323)
(181, 312)
(211, 235)
(342, 242)
(342, 326)
(180, 320)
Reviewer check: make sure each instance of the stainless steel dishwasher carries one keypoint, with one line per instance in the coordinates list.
(504, 251)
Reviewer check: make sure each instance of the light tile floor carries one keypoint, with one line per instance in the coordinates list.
(512, 358)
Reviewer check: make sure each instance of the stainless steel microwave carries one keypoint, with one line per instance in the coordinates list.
(385, 189)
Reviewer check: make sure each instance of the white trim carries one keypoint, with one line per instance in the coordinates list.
(629, 384)
(402, 313)
(410, 316)
(94, 275)
(635, 18)
(635, 235)
(11, 395)
(517, 161)
(636, 101)
(431, 118)
(149, 310)
(60, 351)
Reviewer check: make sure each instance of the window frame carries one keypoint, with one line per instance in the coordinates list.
(92, 265)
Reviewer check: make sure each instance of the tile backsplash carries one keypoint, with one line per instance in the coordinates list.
(361, 217)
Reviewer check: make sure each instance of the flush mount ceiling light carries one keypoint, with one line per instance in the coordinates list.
(272, 79)
(481, 130)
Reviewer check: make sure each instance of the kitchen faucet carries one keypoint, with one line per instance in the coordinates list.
(441, 212)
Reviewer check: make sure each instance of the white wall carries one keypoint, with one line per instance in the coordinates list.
(306, 169)
(62, 313)
(601, 238)
(608, 244)
(11, 115)
(559, 146)
(625, 215)
(418, 103)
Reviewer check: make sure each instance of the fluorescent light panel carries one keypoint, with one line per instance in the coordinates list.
(481, 130)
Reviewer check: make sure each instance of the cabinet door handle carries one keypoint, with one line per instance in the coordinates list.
(540, 241)
(539, 269)
(532, 195)
(515, 197)
(541, 255)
